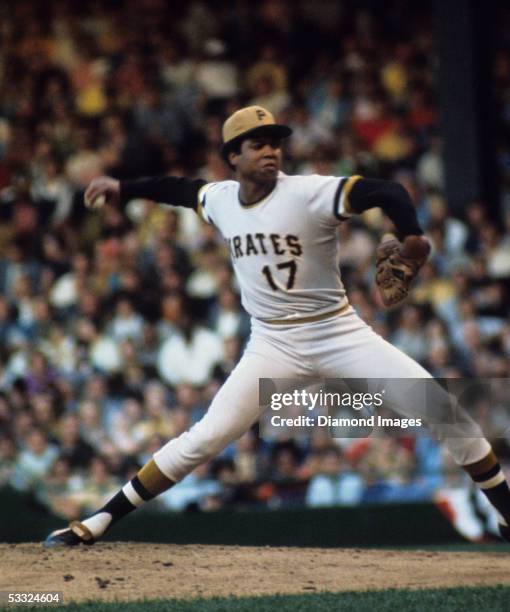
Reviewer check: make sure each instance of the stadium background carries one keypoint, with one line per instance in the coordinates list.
(90, 303)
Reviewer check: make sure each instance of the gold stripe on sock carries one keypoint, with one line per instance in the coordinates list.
(153, 479)
(81, 530)
(482, 466)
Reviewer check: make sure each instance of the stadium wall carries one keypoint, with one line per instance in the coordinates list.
(362, 526)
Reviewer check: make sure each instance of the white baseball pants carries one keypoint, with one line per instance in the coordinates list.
(340, 347)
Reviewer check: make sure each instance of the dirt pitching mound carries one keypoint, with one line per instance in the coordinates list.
(128, 571)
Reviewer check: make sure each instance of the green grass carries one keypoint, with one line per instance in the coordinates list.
(439, 600)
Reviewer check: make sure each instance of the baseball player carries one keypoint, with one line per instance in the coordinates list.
(281, 231)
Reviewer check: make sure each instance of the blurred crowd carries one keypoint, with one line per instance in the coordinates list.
(117, 329)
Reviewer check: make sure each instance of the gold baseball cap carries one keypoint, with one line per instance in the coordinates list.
(247, 122)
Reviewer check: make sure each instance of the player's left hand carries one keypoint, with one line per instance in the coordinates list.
(397, 265)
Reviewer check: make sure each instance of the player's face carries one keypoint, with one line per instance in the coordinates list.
(260, 158)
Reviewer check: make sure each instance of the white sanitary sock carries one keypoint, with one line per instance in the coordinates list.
(98, 523)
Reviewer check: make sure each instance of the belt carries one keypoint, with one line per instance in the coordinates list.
(312, 319)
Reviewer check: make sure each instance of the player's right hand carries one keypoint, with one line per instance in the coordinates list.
(101, 190)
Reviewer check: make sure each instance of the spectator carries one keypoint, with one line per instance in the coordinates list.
(92, 426)
(57, 489)
(8, 458)
(334, 484)
(190, 354)
(409, 335)
(34, 461)
(98, 486)
(72, 446)
(126, 322)
(194, 491)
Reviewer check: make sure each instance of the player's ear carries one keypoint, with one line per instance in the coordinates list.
(232, 158)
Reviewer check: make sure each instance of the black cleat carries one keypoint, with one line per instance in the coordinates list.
(73, 535)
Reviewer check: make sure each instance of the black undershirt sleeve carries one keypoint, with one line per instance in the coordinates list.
(175, 190)
(392, 198)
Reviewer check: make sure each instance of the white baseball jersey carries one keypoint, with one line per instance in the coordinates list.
(284, 248)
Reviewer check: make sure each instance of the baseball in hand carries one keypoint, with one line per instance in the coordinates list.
(98, 202)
